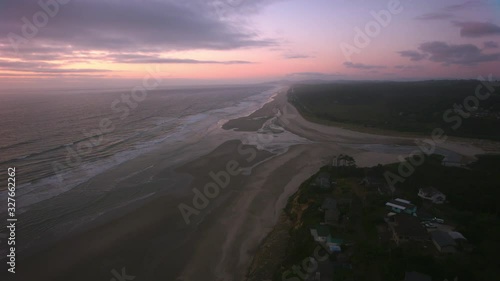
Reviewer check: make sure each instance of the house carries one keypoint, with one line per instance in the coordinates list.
(332, 214)
(432, 194)
(406, 228)
(324, 181)
(334, 245)
(320, 233)
(416, 276)
(457, 236)
(402, 206)
(332, 217)
(462, 243)
(443, 242)
(328, 204)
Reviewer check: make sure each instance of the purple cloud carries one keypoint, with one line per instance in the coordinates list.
(465, 5)
(477, 29)
(362, 66)
(491, 45)
(463, 54)
(145, 59)
(413, 55)
(133, 25)
(128, 32)
(435, 16)
(42, 67)
(296, 56)
(408, 67)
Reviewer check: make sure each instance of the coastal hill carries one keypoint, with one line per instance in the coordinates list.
(366, 223)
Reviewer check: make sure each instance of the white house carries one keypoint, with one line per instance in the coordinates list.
(320, 233)
(432, 194)
(399, 205)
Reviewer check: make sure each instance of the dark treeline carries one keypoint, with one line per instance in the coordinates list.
(404, 106)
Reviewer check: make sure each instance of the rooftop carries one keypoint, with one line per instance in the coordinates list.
(442, 238)
(430, 191)
(401, 204)
(335, 240)
(322, 230)
(323, 180)
(329, 204)
(456, 235)
(332, 215)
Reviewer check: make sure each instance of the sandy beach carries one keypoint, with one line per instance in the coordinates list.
(153, 242)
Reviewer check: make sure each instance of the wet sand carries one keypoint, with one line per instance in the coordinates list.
(153, 242)
(254, 121)
(227, 246)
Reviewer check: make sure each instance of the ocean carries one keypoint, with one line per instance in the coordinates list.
(60, 142)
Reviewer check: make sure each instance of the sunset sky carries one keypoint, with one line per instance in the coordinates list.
(108, 43)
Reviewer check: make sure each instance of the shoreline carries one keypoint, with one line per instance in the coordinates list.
(255, 120)
(153, 241)
(489, 146)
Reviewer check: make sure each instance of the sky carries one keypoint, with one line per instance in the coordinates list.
(115, 43)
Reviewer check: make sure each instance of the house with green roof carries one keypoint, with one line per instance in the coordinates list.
(320, 233)
(334, 244)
